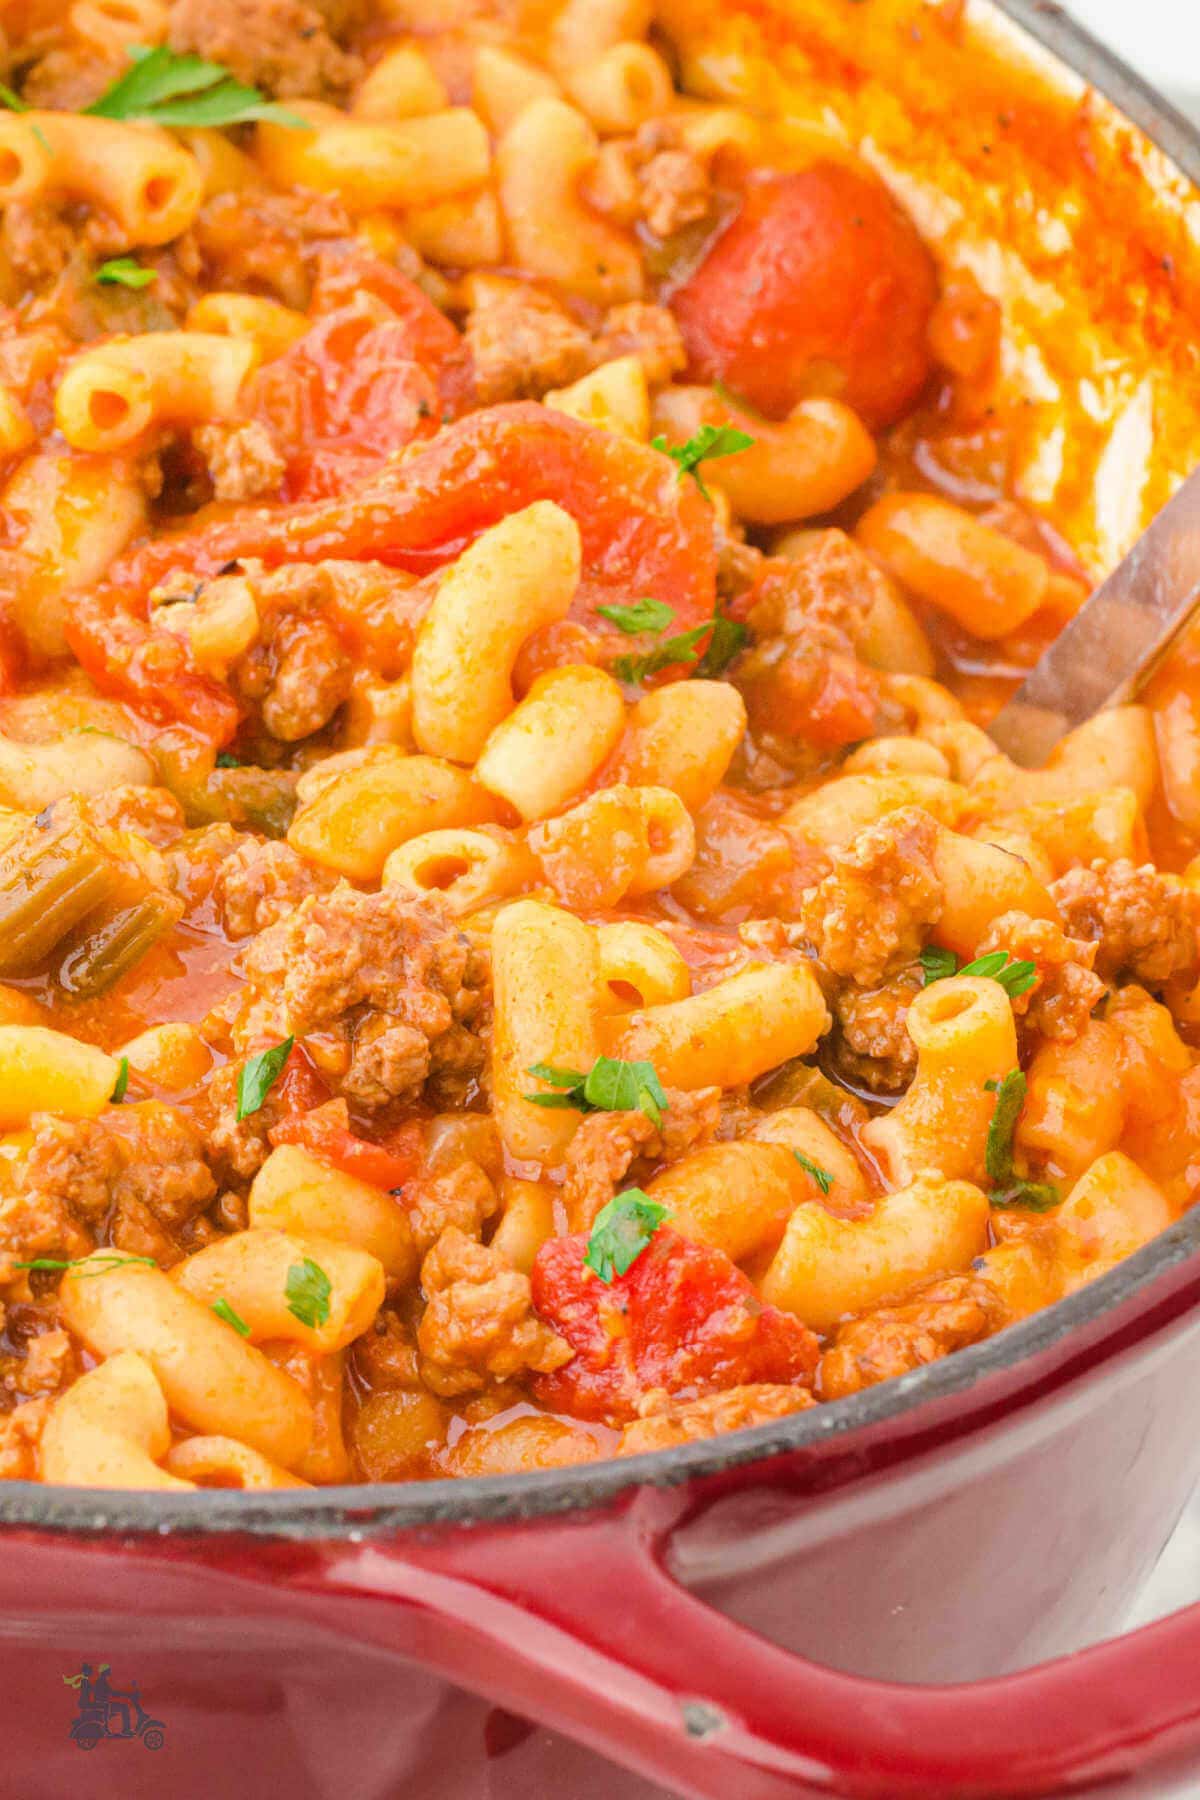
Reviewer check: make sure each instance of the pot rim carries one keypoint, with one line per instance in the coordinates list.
(375, 1509)
(366, 1510)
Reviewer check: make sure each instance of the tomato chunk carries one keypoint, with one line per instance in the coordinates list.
(819, 285)
(153, 670)
(643, 530)
(326, 1133)
(683, 1317)
(343, 397)
(380, 367)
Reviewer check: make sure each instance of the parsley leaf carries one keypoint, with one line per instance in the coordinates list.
(125, 271)
(121, 1083)
(729, 636)
(640, 615)
(610, 1085)
(1009, 1188)
(308, 1288)
(225, 760)
(186, 90)
(13, 101)
(938, 964)
(635, 669)
(621, 1231)
(704, 445)
(1034, 1196)
(110, 1260)
(1014, 976)
(258, 1076)
(224, 1311)
(822, 1177)
(1010, 1098)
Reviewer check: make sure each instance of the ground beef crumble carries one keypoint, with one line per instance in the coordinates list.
(283, 47)
(1061, 1000)
(896, 1339)
(385, 976)
(665, 1422)
(876, 908)
(479, 1324)
(1144, 923)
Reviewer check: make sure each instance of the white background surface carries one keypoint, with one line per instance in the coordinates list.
(1160, 38)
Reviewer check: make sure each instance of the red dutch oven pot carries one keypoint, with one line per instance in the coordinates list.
(829, 1605)
(995, 1508)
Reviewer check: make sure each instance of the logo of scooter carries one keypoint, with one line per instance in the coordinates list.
(105, 1711)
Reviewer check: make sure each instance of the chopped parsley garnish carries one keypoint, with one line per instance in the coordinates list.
(1014, 976)
(258, 1076)
(110, 1259)
(308, 1288)
(125, 271)
(13, 101)
(639, 615)
(726, 639)
(938, 964)
(224, 1311)
(610, 1085)
(121, 1083)
(226, 760)
(186, 91)
(1009, 1188)
(621, 1232)
(822, 1177)
(704, 445)
(679, 649)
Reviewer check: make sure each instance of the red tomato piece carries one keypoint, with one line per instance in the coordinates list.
(643, 530)
(683, 1317)
(817, 696)
(818, 285)
(431, 339)
(152, 670)
(342, 398)
(325, 1133)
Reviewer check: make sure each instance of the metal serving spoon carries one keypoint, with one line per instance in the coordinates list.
(1117, 638)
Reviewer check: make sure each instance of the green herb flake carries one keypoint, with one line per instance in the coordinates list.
(258, 1076)
(121, 1083)
(1010, 1098)
(621, 1232)
(308, 1288)
(639, 615)
(224, 1311)
(610, 1085)
(822, 1177)
(226, 760)
(705, 445)
(125, 271)
(1034, 1196)
(13, 101)
(729, 637)
(938, 964)
(1014, 977)
(186, 91)
(1009, 1188)
(108, 1260)
(672, 650)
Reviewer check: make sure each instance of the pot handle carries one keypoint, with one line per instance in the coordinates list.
(579, 1625)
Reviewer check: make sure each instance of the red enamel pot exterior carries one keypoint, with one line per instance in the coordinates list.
(501, 1638)
(828, 1606)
